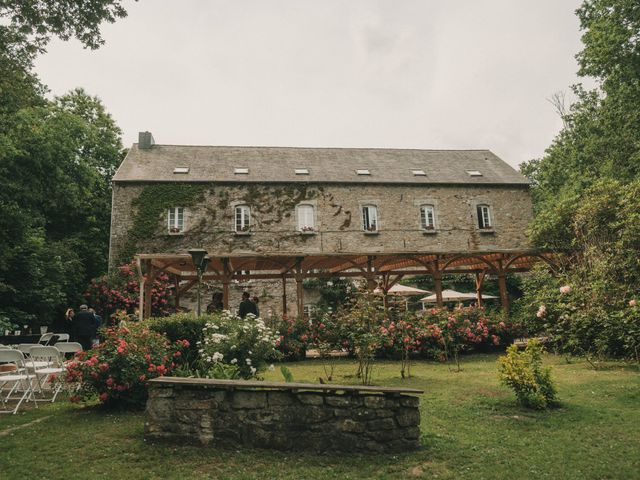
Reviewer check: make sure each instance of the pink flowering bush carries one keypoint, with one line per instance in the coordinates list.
(117, 371)
(120, 292)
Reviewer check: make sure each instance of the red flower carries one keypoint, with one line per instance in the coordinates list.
(142, 377)
(161, 369)
(109, 382)
(103, 397)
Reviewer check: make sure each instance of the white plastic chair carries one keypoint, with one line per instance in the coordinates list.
(19, 378)
(26, 347)
(68, 347)
(62, 337)
(46, 362)
(45, 338)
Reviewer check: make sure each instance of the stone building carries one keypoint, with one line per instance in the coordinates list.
(271, 202)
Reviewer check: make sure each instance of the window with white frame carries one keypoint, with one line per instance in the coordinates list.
(484, 217)
(370, 218)
(306, 220)
(175, 220)
(242, 219)
(427, 217)
(308, 309)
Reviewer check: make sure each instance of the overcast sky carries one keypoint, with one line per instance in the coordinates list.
(332, 73)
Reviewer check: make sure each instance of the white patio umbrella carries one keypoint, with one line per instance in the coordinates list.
(402, 291)
(453, 296)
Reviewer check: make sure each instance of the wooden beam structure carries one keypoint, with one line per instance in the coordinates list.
(373, 267)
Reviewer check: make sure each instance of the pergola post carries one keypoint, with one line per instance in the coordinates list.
(437, 279)
(369, 274)
(504, 297)
(176, 294)
(479, 281)
(284, 295)
(226, 279)
(299, 287)
(147, 286)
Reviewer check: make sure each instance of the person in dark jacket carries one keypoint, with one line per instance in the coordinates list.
(85, 327)
(247, 306)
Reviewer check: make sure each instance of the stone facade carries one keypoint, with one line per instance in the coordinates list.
(209, 223)
(291, 420)
(338, 219)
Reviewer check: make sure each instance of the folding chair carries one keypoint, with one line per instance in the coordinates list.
(19, 377)
(26, 348)
(62, 337)
(46, 362)
(68, 347)
(45, 338)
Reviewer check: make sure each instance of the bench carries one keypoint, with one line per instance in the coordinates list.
(282, 416)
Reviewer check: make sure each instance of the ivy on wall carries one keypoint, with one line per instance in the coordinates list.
(150, 206)
(270, 206)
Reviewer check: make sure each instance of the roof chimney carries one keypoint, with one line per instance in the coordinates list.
(145, 140)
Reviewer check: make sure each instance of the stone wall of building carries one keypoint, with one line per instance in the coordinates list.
(284, 420)
(209, 223)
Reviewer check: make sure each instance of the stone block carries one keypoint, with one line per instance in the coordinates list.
(280, 399)
(381, 424)
(407, 401)
(311, 398)
(342, 401)
(371, 401)
(161, 392)
(249, 399)
(412, 433)
(408, 417)
(351, 426)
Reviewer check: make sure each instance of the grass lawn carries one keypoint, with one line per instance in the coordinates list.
(471, 428)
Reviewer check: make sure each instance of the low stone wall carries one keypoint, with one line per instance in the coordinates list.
(282, 416)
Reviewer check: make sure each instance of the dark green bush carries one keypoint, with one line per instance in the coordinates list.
(182, 326)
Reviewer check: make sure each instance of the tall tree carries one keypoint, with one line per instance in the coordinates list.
(56, 162)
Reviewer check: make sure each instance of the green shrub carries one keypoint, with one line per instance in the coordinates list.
(243, 343)
(524, 374)
(182, 326)
(118, 369)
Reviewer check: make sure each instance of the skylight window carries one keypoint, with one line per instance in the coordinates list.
(363, 171)
(419, 173)
(241, 171)
(302, 171)
(181, 170)
(474, 173)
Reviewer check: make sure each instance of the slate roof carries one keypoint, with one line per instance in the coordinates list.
(325, 165)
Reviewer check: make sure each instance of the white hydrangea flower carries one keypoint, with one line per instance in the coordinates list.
(234, 361)
(248, 360)
(253, 370)
(271, 368)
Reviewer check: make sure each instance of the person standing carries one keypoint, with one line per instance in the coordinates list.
(85, 327)
(247, 306)
(256, 300)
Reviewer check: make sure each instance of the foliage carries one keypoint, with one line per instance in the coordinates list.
(333, 292)
(523, 372)
(56, 162)
(286, 374)
(247, 344)
(27, 27)
(182, 326)
(361, 319)
(294, 336)
(119, 291)
(593, 318)
(118, 369)
(587, 196)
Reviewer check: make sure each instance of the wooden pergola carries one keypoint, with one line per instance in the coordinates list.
(378, 269)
